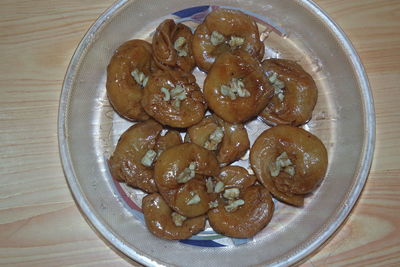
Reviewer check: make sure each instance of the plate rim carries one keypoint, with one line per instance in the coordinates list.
(367, 153)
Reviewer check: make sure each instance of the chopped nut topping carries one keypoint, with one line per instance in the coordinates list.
(235, 88)
(217, 38)
(187, 174)
(274, 171)
(214, 139)
(139, 77)
(278, 86)
(219, 187)
(213, 204)
(209, 185)
(289, 170)
(281, 96)
(234, 205)
(181, 46)
(272, 78)
(231, 193)
(236, 41)
(148, 158)
(177, 218)
(167, 95)
(177, 94)
(282, 162)
(194, 200)
(176, 103)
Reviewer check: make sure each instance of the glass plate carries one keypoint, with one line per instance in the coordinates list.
(343, 119)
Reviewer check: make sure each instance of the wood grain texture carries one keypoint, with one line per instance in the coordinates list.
(40, 224)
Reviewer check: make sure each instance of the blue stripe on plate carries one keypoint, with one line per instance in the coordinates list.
(202, 243)
(239, 241)
(190, 11)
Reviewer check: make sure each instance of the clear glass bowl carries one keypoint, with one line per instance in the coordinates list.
(343, 119)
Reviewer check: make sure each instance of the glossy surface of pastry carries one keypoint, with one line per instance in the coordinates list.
(172, 46)
(295, 93)
(225, 30)
(290, 162)
(236, 88)
(127, 74)
(173, 98)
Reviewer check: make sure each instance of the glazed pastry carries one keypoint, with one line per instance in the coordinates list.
(127, 74)
(192, 181)
(225, 30)
(229, 141)
(290, 162)
(235, 177)
(170, 139)
(244, 216)
(180, 174)
(132, 160)
(163, 222)
(173, 98)
(295, 93)
(172, 46)
(235, 142)
(236, 88)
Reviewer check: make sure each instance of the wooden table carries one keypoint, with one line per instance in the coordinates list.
(40, 223)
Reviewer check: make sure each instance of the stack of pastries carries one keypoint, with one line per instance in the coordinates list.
(194, 179)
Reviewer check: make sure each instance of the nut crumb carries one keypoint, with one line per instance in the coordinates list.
(148, 158)
(177, 218)
(234, 205)
(217, 38)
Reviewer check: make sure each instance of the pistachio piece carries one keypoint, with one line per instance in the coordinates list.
(176, 94)
(209, 185)
(234, 205)
(214, 139)
(282, 162)
(187, 174)
(194, 200)
(219, 187)
(139, 77)
(167, 95)
(213, 204)
(177, 218)
(278, 85)
(217, 38)
(148, 158)
(234, 89)
(181, 46)
(236, 41)
(231, 193)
